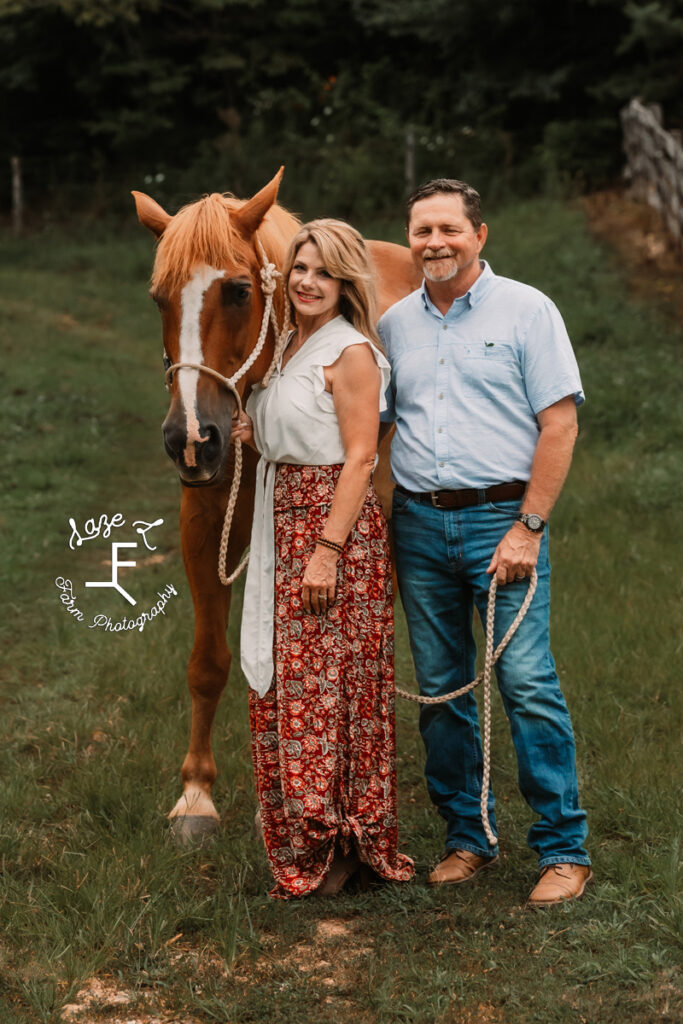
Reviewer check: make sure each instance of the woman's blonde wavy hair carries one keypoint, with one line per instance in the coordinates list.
(346, 258)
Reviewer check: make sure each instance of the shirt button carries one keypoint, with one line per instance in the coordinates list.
(441, 395)
(442, 361)
(440, 430)
(445, 327)
(441, 464)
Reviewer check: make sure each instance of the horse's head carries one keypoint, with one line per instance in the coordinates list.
(206, 282)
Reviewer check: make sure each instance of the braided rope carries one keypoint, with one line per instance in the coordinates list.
(490, 659)
(227, 523)
(269, 275)
(268, 272)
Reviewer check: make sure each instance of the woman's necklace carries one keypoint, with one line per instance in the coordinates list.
(293, 347)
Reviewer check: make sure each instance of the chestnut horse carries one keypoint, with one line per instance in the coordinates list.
(207, 284)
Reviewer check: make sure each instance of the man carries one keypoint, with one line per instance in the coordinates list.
(484, 393)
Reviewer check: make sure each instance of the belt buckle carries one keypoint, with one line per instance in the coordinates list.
(434, 495)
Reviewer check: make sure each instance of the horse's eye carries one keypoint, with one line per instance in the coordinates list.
(236, 293)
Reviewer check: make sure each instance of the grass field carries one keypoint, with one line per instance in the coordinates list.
(94, 723)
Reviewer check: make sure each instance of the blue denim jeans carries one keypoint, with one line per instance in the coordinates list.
(441, 561)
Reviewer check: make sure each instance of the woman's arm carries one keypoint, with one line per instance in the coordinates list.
(354, 381)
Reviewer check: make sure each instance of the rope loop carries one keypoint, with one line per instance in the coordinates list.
(490, 659)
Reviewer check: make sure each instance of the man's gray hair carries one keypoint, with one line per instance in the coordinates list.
(471, 200)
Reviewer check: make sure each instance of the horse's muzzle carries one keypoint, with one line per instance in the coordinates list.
(199, 462)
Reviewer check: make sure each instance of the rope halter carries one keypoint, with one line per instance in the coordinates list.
(269, 275)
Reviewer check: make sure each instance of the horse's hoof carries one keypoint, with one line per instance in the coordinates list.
(188, 829)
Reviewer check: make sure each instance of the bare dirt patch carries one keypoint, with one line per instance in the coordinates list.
(103, 999)
(97, 994)
(483, 1013)
(319, 958)
(635, 230)
(333, 929)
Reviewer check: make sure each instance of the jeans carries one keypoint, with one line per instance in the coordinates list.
(441, 561)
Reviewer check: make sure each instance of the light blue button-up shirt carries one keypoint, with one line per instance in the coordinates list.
(466, 387)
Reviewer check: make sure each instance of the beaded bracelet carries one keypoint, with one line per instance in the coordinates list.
(331, 544)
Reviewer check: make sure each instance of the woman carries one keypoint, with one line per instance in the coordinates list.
(317, 626)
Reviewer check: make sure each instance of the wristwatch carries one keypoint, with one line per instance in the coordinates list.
(532, 521)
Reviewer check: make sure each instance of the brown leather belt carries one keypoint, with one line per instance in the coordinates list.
(468, 495)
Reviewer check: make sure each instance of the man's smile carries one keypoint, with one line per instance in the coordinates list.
(440, 256)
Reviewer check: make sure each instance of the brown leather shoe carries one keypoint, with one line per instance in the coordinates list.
(558, 884)
(459, 866)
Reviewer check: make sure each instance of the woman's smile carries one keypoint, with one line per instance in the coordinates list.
(312, 290)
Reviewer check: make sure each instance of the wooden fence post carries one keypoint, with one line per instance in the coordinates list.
(17, 196)
(409, 160)
(654, 164)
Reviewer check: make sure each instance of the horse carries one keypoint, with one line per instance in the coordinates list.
(213, 281)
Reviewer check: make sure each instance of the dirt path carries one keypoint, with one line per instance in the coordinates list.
(647, 251)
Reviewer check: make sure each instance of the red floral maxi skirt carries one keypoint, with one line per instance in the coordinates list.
(323, 736)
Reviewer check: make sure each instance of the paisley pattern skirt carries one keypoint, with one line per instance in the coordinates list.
(323, 736)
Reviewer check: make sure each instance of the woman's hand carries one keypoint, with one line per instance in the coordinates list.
(242, 429)
(320, 581)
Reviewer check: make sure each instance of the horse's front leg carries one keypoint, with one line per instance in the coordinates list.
(195, 815)
(201, 522)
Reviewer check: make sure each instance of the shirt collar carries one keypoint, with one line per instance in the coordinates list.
(470, 299)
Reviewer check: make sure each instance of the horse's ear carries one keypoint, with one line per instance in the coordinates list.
(249, 216)
(153, 216)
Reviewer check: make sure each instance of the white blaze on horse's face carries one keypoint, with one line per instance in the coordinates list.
(191, 303)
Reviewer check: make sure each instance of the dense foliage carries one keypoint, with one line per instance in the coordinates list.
(217, 93)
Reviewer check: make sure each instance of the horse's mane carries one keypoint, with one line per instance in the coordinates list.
(203, 232)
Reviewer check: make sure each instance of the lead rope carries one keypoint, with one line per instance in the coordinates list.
(490, 659)
(269, 275)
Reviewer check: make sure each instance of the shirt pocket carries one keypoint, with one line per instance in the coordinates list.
(488, 363)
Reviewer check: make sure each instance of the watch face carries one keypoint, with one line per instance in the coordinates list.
(533, 521)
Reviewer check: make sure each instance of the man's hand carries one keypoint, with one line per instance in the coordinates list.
(516, 555)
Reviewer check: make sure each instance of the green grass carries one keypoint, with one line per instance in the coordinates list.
(94, 726)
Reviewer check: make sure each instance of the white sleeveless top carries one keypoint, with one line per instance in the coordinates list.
(294, 422)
